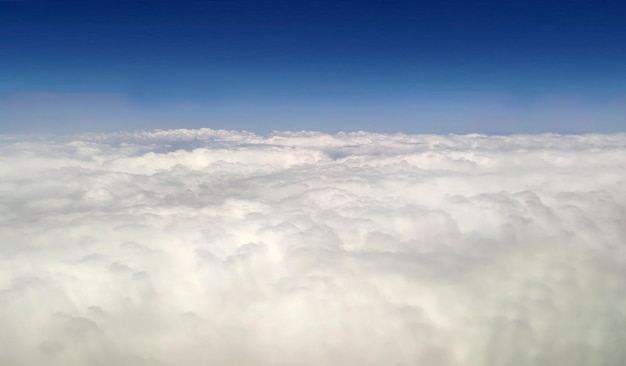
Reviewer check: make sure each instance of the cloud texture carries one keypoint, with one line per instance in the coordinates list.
(200, 247)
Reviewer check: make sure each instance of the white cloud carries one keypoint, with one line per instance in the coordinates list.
(216, 247)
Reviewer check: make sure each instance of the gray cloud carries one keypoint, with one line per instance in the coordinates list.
(221, 247)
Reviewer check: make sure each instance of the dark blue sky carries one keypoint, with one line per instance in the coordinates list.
(411, 66)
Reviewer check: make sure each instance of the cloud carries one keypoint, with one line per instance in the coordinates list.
(223, 247)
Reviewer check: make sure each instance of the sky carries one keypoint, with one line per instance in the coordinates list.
(495, 67)
(213, 247)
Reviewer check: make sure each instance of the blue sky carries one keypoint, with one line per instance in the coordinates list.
(389, 66)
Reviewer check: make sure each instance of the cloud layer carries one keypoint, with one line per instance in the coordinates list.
(205, 247)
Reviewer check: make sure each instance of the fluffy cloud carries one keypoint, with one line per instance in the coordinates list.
(217, 247)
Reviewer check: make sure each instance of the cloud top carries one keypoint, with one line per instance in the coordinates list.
(225, 247)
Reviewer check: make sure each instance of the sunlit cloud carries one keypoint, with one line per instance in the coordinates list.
(223, 247)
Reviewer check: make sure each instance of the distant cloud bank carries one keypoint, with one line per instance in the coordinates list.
(211, 247)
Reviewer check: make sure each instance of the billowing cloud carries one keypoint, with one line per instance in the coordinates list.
(201, 247)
